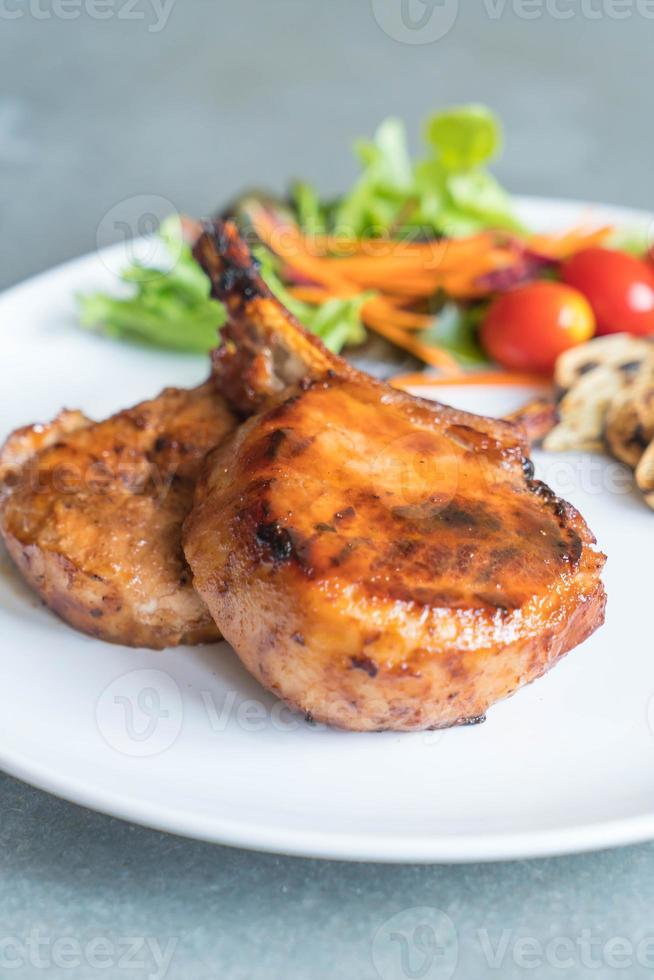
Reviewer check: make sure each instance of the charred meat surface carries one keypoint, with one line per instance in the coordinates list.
(92, 513)
(407, 543)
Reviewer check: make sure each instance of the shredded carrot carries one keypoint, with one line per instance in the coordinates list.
(403, 275)
(371, 249)
(406, 319)
(312, 294)
(386, 305)
(441, 257)
(287, 243)
(500, 378)
(434, 356)
(563, 246)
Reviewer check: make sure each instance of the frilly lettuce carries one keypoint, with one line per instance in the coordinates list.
(446, 192)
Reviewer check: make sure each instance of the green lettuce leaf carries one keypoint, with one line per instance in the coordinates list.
(464, 137)
(376, 200)
(635, 240)
(478, 197)
(456, 329)
(169, 307)
(337, 322)
(447, 192)
(309, 211)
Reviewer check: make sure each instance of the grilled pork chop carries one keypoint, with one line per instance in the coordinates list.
(376, 560)
(92, 514)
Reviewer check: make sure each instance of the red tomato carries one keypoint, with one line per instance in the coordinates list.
(528, 327)
(618, 286)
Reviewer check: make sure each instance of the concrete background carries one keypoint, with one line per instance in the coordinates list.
(192, 104)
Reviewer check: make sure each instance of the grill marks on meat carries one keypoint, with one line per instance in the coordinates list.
(407, 543)
(92, 514)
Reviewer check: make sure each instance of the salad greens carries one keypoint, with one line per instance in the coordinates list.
(456, 330)
(337, 322)
(635, 241)
(446, 192)
(173, 308)
(169, 308)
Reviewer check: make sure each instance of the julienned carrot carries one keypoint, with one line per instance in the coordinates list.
(378, 314)
(288, 243)
(362, 252)
(290, 251)
(378, 321)
(388, 258)
(410, 288)
(563, 246)
(501, 378)
(385, 305)
(442, 256)
(407, 319)
(434, 356)
(374, 248)
(312, 294)
(404, 273)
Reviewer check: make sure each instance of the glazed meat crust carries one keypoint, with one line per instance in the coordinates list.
(376, 560)
(91, 514)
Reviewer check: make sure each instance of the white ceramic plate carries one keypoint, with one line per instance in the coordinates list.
(186, 741)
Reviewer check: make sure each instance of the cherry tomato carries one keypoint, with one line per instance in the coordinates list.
(618, 286)
(527, 328)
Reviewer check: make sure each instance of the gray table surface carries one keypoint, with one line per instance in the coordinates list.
(191, 102)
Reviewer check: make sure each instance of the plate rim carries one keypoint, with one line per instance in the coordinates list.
(337, 846)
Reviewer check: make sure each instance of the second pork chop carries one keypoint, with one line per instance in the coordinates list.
(91, 513)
